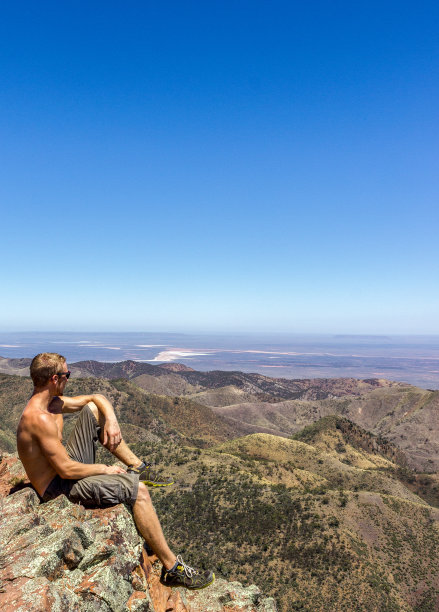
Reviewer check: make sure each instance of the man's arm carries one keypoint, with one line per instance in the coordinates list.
(65, 405)
(112, 435)
(46, 434)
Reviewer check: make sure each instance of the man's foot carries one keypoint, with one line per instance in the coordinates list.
(149, 476)
(183, 575)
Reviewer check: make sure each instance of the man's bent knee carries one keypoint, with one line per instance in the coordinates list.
(101, 421)
(143, 493)
(94, 410)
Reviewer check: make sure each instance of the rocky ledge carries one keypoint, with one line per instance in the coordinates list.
(61, 557)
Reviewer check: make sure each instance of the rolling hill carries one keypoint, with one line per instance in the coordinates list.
(323, 524)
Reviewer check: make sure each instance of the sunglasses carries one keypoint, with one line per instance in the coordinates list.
(66, 374)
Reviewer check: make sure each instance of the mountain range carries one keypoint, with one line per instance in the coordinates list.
(403, 414)
(323, 492)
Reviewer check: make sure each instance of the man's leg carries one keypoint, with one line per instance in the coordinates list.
(150, 529)
(174, 572)
(145, 517)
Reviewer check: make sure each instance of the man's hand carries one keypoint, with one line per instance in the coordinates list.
(114, 469)
(112, 435)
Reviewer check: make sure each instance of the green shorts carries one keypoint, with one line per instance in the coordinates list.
(101, 490)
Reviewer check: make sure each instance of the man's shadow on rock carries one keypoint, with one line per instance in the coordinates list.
(20, 486)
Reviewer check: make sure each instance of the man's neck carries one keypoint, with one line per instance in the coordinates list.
(42, 398)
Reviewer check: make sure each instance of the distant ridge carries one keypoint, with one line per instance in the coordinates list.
(361, 337)
(175, 367)
(18, 366)
(120, 369)
(259, 384)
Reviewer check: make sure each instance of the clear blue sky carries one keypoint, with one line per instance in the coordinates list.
(220, 166)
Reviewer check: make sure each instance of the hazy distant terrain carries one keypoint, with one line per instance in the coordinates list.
(410, 359)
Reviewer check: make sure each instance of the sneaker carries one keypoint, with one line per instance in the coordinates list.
(183, 575)
(149, 476)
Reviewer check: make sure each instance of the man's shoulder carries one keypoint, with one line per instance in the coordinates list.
(35, 418)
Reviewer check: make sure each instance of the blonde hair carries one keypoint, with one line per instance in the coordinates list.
(44, 366)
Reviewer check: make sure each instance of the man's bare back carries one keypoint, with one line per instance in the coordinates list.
(34, 424)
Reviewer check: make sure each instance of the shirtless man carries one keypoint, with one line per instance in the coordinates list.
(54, 469)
